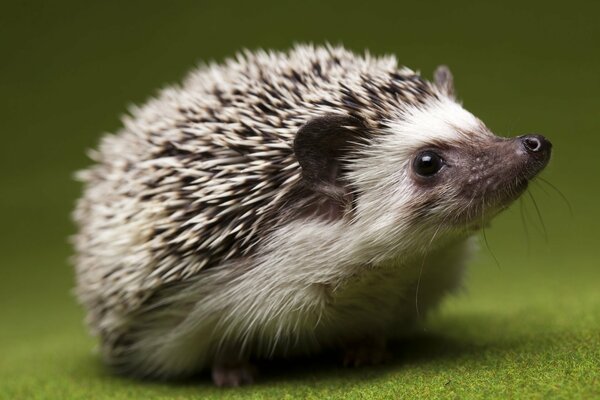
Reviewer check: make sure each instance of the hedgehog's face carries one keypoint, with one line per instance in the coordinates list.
(469, 180)
(438, 168)
(433, 168)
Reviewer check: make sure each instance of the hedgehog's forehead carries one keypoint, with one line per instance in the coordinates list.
(439, 121)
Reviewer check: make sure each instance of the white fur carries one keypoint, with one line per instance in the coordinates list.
(436, 121)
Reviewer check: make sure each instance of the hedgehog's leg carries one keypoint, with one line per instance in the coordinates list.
(233, 374)
(368, 351)
(231, 368)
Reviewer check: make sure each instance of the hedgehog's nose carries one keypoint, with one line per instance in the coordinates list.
(536, 144)
(537, 150)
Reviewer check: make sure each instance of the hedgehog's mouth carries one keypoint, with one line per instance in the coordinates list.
(480, 208)
(504, 197)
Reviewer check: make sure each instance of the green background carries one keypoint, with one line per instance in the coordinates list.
(529, 326)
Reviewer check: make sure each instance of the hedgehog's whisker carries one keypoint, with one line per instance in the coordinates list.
(560, 194)
(530, 220)
(539, 214)
(423, 266)
(487, 244)
(543, 189)
(524, 221)
(466, 209)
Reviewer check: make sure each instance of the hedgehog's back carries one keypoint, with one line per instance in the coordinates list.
(200, 174)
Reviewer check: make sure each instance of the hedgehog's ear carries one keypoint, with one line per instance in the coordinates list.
(444, 80)
(320, 146)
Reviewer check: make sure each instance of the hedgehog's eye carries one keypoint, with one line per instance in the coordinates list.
(427, 163)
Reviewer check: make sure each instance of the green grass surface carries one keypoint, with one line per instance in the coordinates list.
(536, 336)
(528, 328)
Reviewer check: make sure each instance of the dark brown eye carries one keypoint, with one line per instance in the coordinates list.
(427, 163)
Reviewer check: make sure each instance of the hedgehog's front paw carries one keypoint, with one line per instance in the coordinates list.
(366, 352)
(233, 375)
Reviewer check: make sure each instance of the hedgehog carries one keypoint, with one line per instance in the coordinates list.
(284, 204)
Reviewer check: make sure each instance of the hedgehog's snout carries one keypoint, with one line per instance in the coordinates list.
(498, 171)
(538, 150)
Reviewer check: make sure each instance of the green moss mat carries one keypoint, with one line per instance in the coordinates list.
(506, 337)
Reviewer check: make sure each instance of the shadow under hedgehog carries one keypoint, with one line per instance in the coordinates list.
(281, 204)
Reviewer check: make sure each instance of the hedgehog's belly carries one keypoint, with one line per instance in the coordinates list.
(253, 317)
(381, 304)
